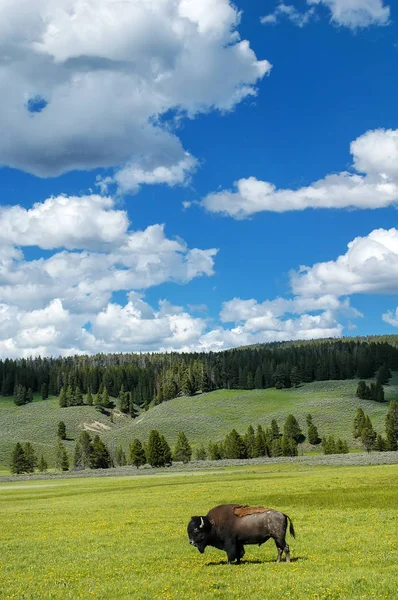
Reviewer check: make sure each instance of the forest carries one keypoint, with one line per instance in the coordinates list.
(155, 378)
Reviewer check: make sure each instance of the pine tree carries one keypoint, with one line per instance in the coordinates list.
(383, 374)
(260, 443)
(132, 410)
(20, 395)
(120, 457)
(61, 430)
(392, 426)
(381, 443)
(61, 457)
(105, 399)
(359, 422)
(69, 396)
(295, 376)
(29, 395)
(100, 457)
(250, 441)
(18, 460)
(291, 429)
(214, 451)
(275, 433)
(234, 446)
(137, 454)
(362, 390)
(78, 396)
(155, 450)
(288, 446)
(276, 447)
(44, 391)
(83, 450)
(166, 450)
(89, 398)
(62, 398)
(30, 457)
(368, 435)
(42, 466)
(201, 453)
(312, 435)
(182, 450)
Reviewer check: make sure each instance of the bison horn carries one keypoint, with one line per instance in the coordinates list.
(202, 523)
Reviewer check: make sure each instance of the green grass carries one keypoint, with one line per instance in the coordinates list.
(204, 418)
(125, 538)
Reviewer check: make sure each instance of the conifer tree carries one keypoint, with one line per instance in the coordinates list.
(392, 426)
(61, 430)
(312, 435)
(69, 396)
(78, 396)
(30, 457)
(359, 422)
(100, 457)
(42, 465)
(123, 400)
(295, 376)
(234, 446)
(201, 453)
(275, 433)
(18, 460)
(288, 446)
(154, 452)
(83, 450)
(132, 410)
(380, 443)
(291, 429)
(20, 395)
(120, 457)
(44, 391)
(62, 398)
(276, 447)
(137, 454)
(250, 441)
(105, 399)
(182, 450)
(61, 457)
(260, 443)
(89, 397)
(368, 435)
(214, 451)
(166, 450)
(29, 395)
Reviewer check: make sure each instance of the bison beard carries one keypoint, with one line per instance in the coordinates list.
(222, 528)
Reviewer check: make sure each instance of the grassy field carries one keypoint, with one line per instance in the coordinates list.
(204, 418)
(125, 538)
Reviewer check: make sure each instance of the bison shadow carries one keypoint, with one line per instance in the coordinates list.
(253, 561)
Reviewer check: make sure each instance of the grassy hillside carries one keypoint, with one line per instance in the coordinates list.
(203, 417)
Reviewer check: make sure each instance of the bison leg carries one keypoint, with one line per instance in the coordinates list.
(282, 547)
(234, 551)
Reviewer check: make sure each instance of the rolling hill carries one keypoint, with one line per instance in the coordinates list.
(203, 417)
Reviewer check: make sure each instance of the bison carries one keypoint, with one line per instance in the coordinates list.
(230, 527)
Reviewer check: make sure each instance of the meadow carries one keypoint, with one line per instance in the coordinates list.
(119, 538)
(204, 417)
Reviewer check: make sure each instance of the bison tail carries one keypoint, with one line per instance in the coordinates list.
(291, 527)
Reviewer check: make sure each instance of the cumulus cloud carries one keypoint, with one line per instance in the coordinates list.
(374, 185)
(348, 13)
(391, 317)
(370, 265)
(96, 254)
(98, 83)
(356, 13)
(288, 11)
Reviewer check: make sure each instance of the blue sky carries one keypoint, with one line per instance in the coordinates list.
(196, 175)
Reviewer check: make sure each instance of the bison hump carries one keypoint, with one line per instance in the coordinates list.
(243, 511)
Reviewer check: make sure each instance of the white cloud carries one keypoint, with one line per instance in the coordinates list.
(375, 154)
(356, 13)
(109, 256)
(370, 265)
(288, 11)
(114, 75)
(68, 221)
(348, 13)
(391, 317)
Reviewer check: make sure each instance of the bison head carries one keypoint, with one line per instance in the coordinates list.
(198, 532)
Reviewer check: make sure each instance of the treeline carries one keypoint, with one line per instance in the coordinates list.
(92, 453)
(159, 377)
